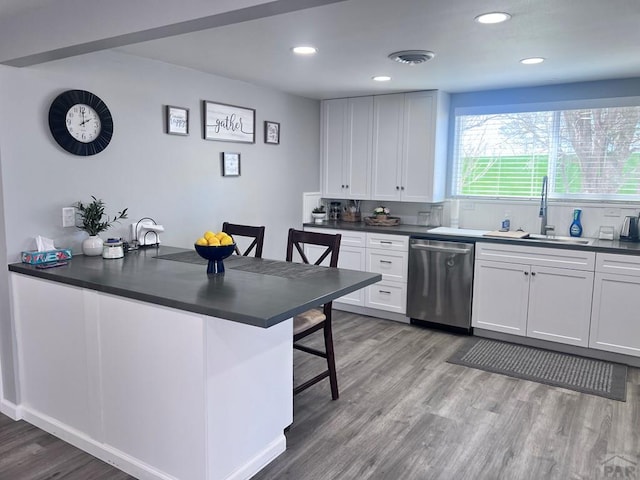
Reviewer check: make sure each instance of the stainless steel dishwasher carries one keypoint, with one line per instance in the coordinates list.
(440, 283)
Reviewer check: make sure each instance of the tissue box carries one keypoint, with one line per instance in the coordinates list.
(35, 257)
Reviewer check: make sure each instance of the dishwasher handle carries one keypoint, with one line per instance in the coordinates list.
(434, 248)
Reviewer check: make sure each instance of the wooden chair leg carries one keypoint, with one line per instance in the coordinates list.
(331, 362)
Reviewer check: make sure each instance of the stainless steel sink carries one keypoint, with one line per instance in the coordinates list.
(560, 239)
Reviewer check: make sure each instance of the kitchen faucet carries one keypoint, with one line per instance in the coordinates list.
(544, 197)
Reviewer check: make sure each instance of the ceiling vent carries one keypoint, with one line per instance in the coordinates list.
(412, 57)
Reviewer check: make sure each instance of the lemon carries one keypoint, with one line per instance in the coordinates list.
(226, 240)
(208, 234)
(220, 235)
(202, 241)
(213, 242)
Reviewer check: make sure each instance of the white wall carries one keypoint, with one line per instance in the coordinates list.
(176, 180)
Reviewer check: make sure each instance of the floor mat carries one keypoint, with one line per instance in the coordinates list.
(581, 374)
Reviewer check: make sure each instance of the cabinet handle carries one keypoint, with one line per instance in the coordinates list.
(346, 186)
(342, 186)
(526, 273)
(533, 274)
(385, 261)
(401, 188)
(384, 291)
(386, 242)
(397, 187)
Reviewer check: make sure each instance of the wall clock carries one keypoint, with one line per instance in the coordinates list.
(80, 122)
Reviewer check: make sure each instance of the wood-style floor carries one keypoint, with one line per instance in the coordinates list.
(403, 414)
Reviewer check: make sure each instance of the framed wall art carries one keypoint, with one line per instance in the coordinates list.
(271, 132)
(176, 120)
(228, 123)
(230, 164)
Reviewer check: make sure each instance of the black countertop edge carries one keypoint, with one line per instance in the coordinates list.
(419, 231)
(85, 272)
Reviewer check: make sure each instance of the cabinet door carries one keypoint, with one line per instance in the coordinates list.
(387, 146)
(389, 296)
(333, 147)
(392, 265)
(500, 297)
(560, 305)
(418, 147)
(357, 164)
(352, 258)
(615, 323)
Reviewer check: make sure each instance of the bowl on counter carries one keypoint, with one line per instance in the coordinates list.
(215, 255)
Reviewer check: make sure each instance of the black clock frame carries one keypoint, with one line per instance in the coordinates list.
(58, 117)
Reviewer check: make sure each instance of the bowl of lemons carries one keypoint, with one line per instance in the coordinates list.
(215, 247)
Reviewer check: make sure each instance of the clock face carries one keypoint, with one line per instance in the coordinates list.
(80, 122)
(83, 123)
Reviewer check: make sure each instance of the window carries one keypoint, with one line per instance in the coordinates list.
(587, 153)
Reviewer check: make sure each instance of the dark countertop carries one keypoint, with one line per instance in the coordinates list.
(251, 291)
(462, 235)
(402, 229)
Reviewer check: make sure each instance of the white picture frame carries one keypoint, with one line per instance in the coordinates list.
(228, 123)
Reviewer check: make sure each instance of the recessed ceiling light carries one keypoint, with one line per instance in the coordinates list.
(532, 60)
(304, 50)
(381, 78)
(493, 17)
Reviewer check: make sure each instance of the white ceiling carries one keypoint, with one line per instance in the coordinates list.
(580, 39)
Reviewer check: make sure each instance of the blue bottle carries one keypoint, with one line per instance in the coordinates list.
(575, 230)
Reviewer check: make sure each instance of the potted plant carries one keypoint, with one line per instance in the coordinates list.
(381, 212)
(92, 221)
(319, 214)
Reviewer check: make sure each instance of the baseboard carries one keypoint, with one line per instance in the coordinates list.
(560, 347)
(371, 312)
(106, 453)
(264, 458)
(10, 409)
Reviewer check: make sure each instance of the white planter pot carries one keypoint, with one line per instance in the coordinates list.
(319, 217)
(92, 246)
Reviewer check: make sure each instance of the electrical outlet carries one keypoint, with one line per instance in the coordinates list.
(68, 216)
(612, 212)
(468, 206)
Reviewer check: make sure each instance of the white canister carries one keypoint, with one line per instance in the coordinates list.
(112, 248)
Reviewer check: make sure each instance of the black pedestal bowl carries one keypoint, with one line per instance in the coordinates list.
(215, 255)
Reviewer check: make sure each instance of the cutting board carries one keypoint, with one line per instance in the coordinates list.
(509, 234)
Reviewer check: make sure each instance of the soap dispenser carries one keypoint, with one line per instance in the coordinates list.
(575, 230)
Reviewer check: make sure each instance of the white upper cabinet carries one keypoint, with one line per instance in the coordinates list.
(385, 147)
(409, 147)
(346, 147)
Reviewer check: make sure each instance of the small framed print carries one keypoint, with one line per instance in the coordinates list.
(177, 120)
(271, 132)
(230, 164)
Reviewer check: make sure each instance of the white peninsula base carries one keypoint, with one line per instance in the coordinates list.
(160, 393)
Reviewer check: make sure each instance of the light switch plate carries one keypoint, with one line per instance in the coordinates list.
(68, 217)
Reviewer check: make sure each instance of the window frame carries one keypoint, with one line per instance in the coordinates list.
(496, 109)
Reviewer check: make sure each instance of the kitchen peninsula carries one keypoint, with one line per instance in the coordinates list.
(159, 369)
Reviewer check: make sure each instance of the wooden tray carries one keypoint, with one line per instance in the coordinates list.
(386, 222)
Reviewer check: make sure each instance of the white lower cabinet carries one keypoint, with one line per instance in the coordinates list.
(352, 257)
(615, 322)
(389, 296)
(500, 296)
(560, 305)
(386, 254)
(516, 292)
